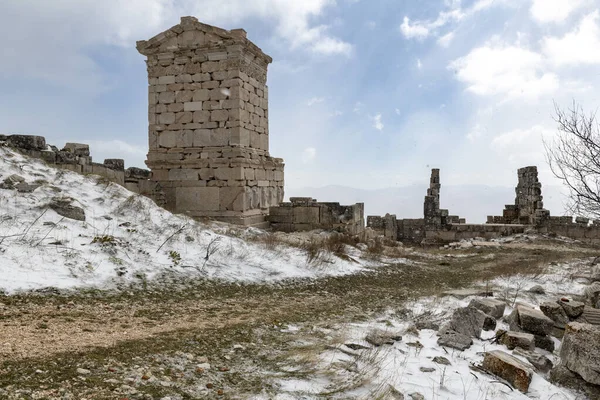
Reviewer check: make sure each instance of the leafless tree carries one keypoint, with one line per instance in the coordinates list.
(574, 157)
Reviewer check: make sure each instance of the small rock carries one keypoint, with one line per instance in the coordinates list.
(83, 371)
(441, 360)
(416, 396)
(537, 289)
(379, 338)
(469, 321)
(509, 368)
(426, 369)
(489, 324)
(355, 346)
(529, 320)
(63, 207)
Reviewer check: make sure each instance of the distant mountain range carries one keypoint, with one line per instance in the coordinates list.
(473, 202)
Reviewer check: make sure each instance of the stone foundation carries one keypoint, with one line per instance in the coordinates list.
(305, 214)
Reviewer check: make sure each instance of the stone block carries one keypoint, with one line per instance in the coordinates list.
(184, 117)
(227, 173)
(166, 118)
(197, 199)
(201, 95)
(166, 97)
(184, 96)
(580, 351)
(168, 139)
(219, 115)
(183, 174)
(201, 116)
(306, 215)
(509, 368)
(572, 308)
(518, 339)
(232, 199)
(165, 80)
(192, 106)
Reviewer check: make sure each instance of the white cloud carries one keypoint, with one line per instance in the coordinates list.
(511, 71)
(315, 100)
(581, 46)
(66, 61)
(445, 40)
(308, 155)
(425, 28)
(377, 123)
(415, 31)
(336, 113)
(522, 145)
(554, 10)
(419, 64)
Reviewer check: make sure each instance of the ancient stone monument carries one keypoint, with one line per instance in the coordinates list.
(208, 123)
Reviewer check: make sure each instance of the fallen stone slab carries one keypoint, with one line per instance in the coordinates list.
(509, 368)
(539, 361)
(572, 308)
(462, 293)
(379, 338)
(492, 307)
(513, 340)
(453, 339)
(580, 351)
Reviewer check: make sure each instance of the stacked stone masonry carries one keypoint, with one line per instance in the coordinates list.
(76, 157)
(208, 123)
(305, 214)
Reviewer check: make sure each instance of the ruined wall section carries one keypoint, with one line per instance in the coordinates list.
(76, 157)
(305, 214)
(208, 123)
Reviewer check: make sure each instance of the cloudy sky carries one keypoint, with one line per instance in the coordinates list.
(367, 94)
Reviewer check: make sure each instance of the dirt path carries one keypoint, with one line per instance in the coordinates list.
(38, 331)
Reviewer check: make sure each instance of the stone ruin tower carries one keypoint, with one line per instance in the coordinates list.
(528, 201)
(209, 123)
(431, 205)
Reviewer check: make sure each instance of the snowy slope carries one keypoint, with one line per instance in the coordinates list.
(125, 237)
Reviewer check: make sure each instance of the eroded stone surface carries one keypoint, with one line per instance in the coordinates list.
(509, 368)
(580, 351)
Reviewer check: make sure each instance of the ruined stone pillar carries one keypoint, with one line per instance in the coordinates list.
(208, 123)
(431, 205)
(529, 199)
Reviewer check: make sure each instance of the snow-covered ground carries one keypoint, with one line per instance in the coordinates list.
(126, 238)
(377, 372)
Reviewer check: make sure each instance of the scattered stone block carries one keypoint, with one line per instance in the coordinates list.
(469, 321)
(539, 361)
(590, 315)
(27, 142)
(529, 320)
(509, 368)
(453, 339)
(489, 324)
(572, 308)
(544, 342)
(555, 312)
(492, 307)
(580, 351)
(513, 340)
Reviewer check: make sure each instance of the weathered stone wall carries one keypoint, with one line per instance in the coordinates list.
(305, 214)
(76, 157)
(208, 123)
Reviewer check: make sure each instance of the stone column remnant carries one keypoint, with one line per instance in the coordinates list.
(529, 200)
(208, 123)
(431, 206)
